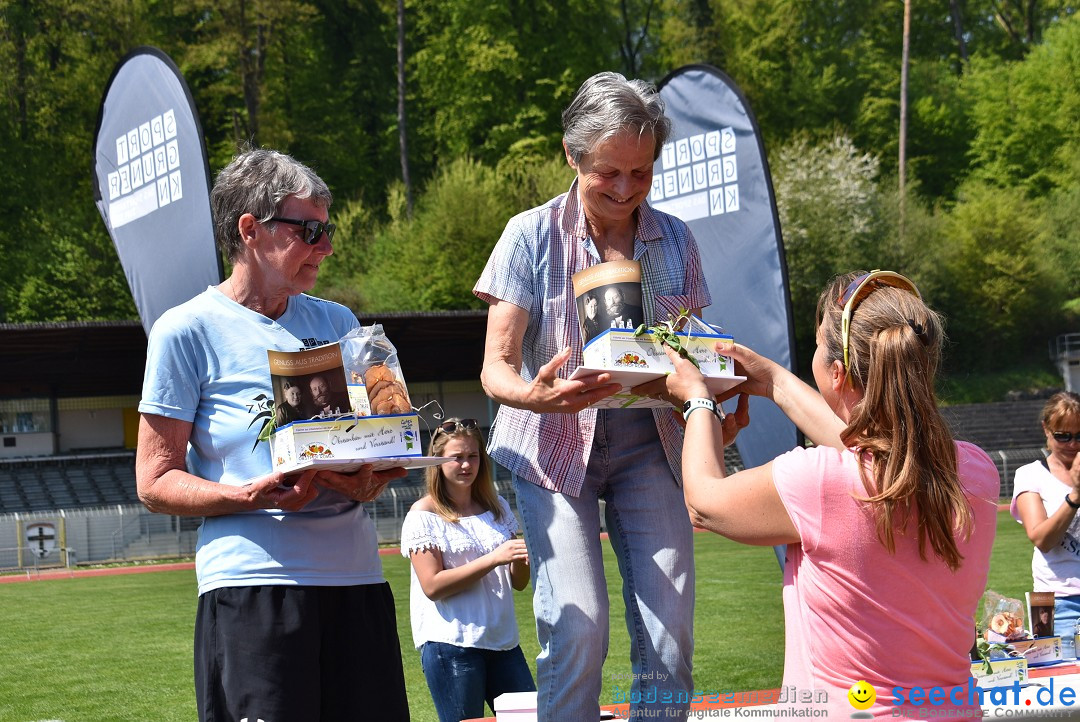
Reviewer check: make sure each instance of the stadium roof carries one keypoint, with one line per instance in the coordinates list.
(107, 358)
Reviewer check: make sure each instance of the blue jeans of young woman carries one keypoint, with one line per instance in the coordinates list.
(650, 533)
(461, 679)
(1066, 612)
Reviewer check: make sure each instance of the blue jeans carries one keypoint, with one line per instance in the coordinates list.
(461, 679)
(1066, 612)
(650, 533)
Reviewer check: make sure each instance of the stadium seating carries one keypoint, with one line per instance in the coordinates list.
(67, 482)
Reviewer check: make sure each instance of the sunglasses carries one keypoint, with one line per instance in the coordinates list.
(449, 427)
(862, 287)
(1064, 437)
(313, 230)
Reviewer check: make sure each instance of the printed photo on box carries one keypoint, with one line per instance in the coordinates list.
(308, 384)
(340, 427)
(1040, 610)
(608, 295)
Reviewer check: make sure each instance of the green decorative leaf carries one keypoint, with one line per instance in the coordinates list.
(666, 332)
(268, 428)
(984, 648)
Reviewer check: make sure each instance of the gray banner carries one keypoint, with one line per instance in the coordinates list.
(714, 175)
(152, 183)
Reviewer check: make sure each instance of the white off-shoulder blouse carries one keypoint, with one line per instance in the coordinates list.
(481, 616)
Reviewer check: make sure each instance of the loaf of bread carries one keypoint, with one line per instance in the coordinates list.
(386, 393)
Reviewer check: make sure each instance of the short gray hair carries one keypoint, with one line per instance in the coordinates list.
(607, 104)
(257, 181)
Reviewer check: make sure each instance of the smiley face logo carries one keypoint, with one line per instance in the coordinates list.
(861, 695)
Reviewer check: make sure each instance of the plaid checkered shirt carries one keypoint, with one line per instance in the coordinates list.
(531, 267)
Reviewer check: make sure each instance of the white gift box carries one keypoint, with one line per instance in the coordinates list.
(619, 348)
(632, 360)
(1039, 650)
(344, 443)
(516, 707)
(1005, 672)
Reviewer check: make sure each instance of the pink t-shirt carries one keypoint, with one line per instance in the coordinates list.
(853, 611)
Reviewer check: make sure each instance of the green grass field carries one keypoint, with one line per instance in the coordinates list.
(119, 647)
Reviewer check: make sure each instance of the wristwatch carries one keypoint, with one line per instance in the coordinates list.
(1070, 502)
(693, 404)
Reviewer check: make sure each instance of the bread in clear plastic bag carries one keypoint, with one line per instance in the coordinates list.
(1003, 618)
(376, 383)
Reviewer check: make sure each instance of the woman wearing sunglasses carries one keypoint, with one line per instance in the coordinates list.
(888, 521)
(466, 559)
(295, 620)
(1046, 497)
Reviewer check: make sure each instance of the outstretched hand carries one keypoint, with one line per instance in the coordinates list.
(759, 371)
(687, 382)
(548, 393)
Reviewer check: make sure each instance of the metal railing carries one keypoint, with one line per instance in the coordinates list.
(1065, 345)
(1009, 460)
(129, 532)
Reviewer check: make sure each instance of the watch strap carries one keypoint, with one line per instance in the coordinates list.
(1070, 502)
(692, 405)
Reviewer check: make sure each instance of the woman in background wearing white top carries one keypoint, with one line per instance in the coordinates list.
(1046, 497)
(465, 558)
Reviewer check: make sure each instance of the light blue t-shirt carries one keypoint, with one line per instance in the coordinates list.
(206, 363)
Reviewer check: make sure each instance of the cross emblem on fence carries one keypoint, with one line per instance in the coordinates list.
(42, 538)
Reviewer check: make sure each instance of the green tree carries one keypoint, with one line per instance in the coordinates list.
(238, 56)
(431, 261)
(830, 215)
(1009, 29)
(995, 280)
(1062, 208)
(1027, 115)
(59, 55)
(491, 76)
(341, 104)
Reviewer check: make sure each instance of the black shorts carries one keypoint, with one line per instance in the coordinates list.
(282, 653)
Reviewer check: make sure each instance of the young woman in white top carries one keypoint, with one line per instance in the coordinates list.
(1046, 497)
(461, 539)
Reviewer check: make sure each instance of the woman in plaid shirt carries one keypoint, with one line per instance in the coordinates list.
(564, 456)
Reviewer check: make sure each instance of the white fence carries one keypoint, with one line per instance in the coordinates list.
(1009, 460)
(128, 532)
(1065, 352)
(124, 533)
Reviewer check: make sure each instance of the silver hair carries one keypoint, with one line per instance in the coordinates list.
(607, 104)
(257, 181)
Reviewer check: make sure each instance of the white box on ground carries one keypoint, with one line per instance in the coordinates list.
(516, 707)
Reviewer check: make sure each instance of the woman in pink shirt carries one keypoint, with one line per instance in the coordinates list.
(888, 521)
